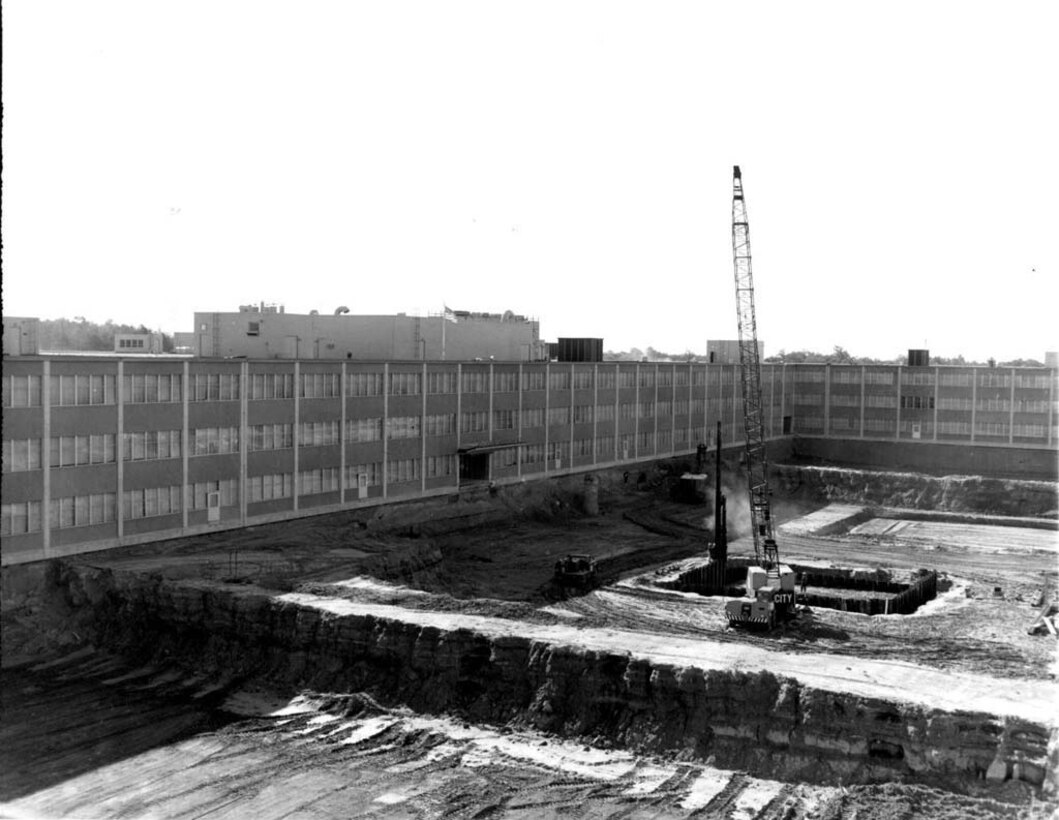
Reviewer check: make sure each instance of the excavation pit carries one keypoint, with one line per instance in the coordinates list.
(869, 592)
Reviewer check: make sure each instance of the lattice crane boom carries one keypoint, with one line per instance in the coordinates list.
(765, 549)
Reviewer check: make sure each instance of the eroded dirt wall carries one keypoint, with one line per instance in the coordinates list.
(917, 491)
(755, 721)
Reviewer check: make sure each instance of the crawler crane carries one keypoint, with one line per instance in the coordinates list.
(770, 585)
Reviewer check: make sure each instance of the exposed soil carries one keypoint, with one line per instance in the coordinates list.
(147, 712)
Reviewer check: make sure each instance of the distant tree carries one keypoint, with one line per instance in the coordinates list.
(1022, 363)
(81, 334)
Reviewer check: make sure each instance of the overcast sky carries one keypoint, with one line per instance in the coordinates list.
(569, 161)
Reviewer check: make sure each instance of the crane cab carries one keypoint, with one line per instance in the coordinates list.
(767, 600)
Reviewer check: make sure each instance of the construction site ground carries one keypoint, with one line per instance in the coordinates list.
(88, 733)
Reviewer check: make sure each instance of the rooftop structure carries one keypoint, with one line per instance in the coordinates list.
(269, 332)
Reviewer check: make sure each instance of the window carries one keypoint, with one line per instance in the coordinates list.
(991, 428)
(583, 447)
(845, 400)
(533, 417)
(646, 409)
(627, 378)
(205, 441)
(505, 381)
(533, 380)
(403, 427)
(645, 442)
(444, 382)
(582, 379)
(361, 430)
(198, 493)
(1030, 430)
(917, 402)
(253, 328)
(583, 413)
(532, 453)
(558, 450)
(21, 391)
(476, 421)
(372, 473)
(314, 482)
(665, 408)
(874, 400)
(955, 380)
(559, 380)
(214, 387)
(627, 410)
(81, 390)
(505, 419)
(269, 487)
(271, 437)
(443, 424)
(147, 445)
(647, 377)
(994, 405)
(681, 378)
(69, 451)
(994, 380)
(606, 379)
(475, 381)
(558, 415)
(954, 403)
(917, 377)
(320, 385)
(151, 502)
(270, 386)
(604, 412)
(879, 377)
(954, 428)
(405, 384)
(605, 446)
(80, 511)
(18, 519)
(21, 455)
(364, 384)
(318, 434)
(845, 375)
(439, 466)
(402, 470)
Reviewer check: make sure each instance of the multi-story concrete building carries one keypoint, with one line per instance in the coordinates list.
(105, 451)
(268, 332)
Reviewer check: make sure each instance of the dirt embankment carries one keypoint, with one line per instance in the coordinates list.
(759, 722)
(966, 494)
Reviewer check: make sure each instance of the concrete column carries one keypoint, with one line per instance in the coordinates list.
(342, 439)
(1051, 406)
(736, 384)
(636, 416)
(897, 432)
(937, 380)
(1011, 409)
(518, 425)
(547, 407)
(385, 430)
(244, 434)
(119, 449)
(423, 431)
(783, 395)
(654, 418)
(297, 430)
(45, 457)
(827, 399)
(617, 411)
(490, 420)
(185, 445)
(673, 410)
(863, 377)
(595, 412)
(974, 398)
(459, 412)
(572, 405)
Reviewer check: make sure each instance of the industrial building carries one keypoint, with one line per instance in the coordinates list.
(268, 332)
(101, 451)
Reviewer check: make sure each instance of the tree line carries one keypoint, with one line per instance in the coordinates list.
(81, 334)
(839, 355)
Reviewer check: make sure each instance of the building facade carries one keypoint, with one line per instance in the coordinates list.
(267, 332)
(107, 451)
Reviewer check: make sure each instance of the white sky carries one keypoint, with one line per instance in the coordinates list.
(570, 161)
